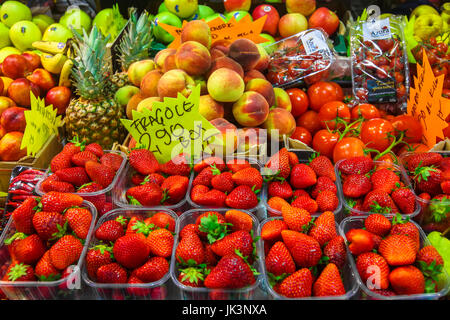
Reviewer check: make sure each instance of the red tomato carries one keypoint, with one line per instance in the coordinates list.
(330, 111)
(299, 101)
(389, 159)
(302, 135)
(322, 92)
(365, 110)
(446, 131)
(401, 91)
(310, 121)
(412, 127)
(348, 147)
(324, 142)
(374, 133)
(413, 147)
(439, 70)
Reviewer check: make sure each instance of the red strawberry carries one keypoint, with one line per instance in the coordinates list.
(360, 241)
(111, 273)
(293, 159)
(112, 160)
(335, 251)
(271, 230)
(324, 228)
(79, 159)
(61, 161)
(279, 164)
(445, 164)
(369, 263)
(239, 220)
(235, 165)
(131, 250)
(210, 257)
(386, 293)
(197, 192)
(49, 225)
(398, 250)
(79, 221)
(323, 183)
(176, 188)
(407, 280)
(377, 224)
(223, 182)
(429, 254)
(160, 242)
(300, 193)
(163, 220)
(379, 202)
(187, 229)
(212, 224)
(327, 201)
(305, 202)
(132, 225)
(424, 159)
(178, 166)
(276, 203)
(74, 146)
(149, 194)
(153, 270)
(191, 277)
(137, 179)
(329, 283)
(12, 243)
(204, 177)
(136, 290)
(296, 218)
(323, 167)
(98, 200)
(100, 173)
(189, 248)
(355, 207)
(406, 227)
(304, 249)
(54, 183)
(428, 179)
(218, 162)
(445, 186)
(384, 180)
(143, 161)
(45, 271)
(356, 185)
(248, 177)
(65, 252)
(405, 200)
(242, 197)
(280, 189)
(239, 240)
(302, 176)
(110, 230)
(356, 165)
(95, 148)
(107, 207)
(96, 257)
(212, 198)
(297, 285)
(75, 175)
(23, 216)
(19, 272)
(231, 272)
(279, 260)
(30, 249)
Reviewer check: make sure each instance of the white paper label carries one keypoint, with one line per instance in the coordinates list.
(377, 30)
(314, 41)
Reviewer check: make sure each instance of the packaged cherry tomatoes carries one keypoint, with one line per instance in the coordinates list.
(380, 72)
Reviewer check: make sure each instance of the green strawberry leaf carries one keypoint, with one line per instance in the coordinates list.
(17, 235)
(213, 228)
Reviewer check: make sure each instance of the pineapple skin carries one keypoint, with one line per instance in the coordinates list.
(119, 80)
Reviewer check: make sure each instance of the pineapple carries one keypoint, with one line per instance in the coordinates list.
(134, 46)
(95, 115)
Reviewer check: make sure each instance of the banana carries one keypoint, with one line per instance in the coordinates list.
(50, 46)
(53, 63)
(64, 77)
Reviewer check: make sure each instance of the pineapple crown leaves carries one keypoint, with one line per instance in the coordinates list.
(377, 208)
(133, 201)
(439, 210)
(49, 278)
(213, 228)
(141, 227)
(17, 271)
(193, 274)
(273, 279)
(62, 230)
(431, 270)
(15, 236)
(239, 254)
(422, 173)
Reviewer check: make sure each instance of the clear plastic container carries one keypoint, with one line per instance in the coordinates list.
(348, 209)
(162, 289)
(70, 288)
(191, 293)
(366, 294)
(91, 195)
(124, 183)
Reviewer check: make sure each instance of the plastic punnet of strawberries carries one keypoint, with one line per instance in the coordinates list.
(49, 237)
(393, 247)
(374, 187)
(132, 250)
(217, 251)
(309, 186)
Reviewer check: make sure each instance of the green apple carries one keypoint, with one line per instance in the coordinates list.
(14, 11)
(167, 18)
(6, 51)
(162, 8)
(124, 94)
(57, 32)
(445, 15)
(202, 13)
(215, 16)
(427, 26)
(77, 19)
(23, 34)
(4, 36)
(238, 15)
(103, 20)
(182, 8)
(42, 21)
(422, 10)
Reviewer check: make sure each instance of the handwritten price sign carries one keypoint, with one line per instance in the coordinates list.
(173, 126)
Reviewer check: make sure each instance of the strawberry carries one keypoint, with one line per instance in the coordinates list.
(187, 229)
(95, 148)
(65, 252)
(75, 175)
(360, 241)
(386, 293)
(163, 220)
(131, 250)
(44, 269)
(424, 159)
(276, 203)
(219, 217)
(335, 251)
(406, 227)
(407, 280)
(137, 291)
(242, 197)
(153, 270)
(356, 165)
(217, 162)
(304, 249)
(100, 173)
(96, 257)
(356, 185)
(293, 159)
(197, 192)
(98, 200)
(235, 165)
(445, 164)
(131, 226)
(428, 179)
(323, 183)
(190, 249)
(178, 166)
(248, 177)
(323, 167)
(398, 250)
(271, 230)
(29, 250)
(79, 159)
(112, 160)
(279, 260)
(105, 208)
(376, 241)
(405, 200)
(223, 182)
(210, 257)
(329, 283)
(302, 176)
(279, 165)
(378, 201)
(297, 285)
(191, 277)
(211, 198)
(355, 207)
(305, 202)
(239, 220)
(149, 194)
(369, 263)
(175, 187)
(204, 177)
(231, 272)
(23, 216)
(280, 189)
(239, 240)
(61, 161)
(384, 180)
(153, 177)
(54, 183)
(324, 228)
(58, 201)
(160, 242)
(74, 146)
(19, 272)
(377, 224)
(49, 225)
(137, 179)
(428, 255)
(79, 221)
(143, 161)
(327, 201)
(12, 243)
(445, 186)
(111, 273)
(295, 218)
(300, 193)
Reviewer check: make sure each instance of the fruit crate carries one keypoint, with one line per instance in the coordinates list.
(365, 293)
(191, 293)
(162, 289)
(91, 195)
(347, 208)
(348, 277)
(70, 288)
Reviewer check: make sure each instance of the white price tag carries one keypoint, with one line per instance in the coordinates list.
(315, 41)
(377, 30)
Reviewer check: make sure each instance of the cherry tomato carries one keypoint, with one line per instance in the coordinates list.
(324, 142)
(433, 41)
(412, 127)
(383, 72)
(381, 61)
(442, 48)
(446, 93)
(388, 159)
(277, 77)
(310, 121)
(322, 92)
(299, 100)
(330, 111)
(446, 83)
(396, 64)
(348, 147)
(302, 135)
(432, 56)
(362, 93)
(401, 91)
(365, 110)
(399, 77)
(413, 147)
(439, 70)
(385, 44)
(374, 133)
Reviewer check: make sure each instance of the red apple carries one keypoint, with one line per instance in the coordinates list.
(59, 97)
(33, 60)
(19, 91)
(2, 86)
(233, 5)
(43, 79)
(271, 24)
(324, 18)
(1, 70)
(15, 66)
(13, 119)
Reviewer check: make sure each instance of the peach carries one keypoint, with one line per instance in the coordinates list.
(2, 86)
(162, 55)
(147, 103)
(282, 99)
(175, 81)
(225, 62)
(2, 132)
(34, 60)
(149, 84)
(193, 57)
(279, 123)
(139, 69)
(13, 119)
(245, 52)
(10, 147)
(6, 83)
(228, 135)
(133, 103)
(253, 74)
(200, 80)
(292, 23)
(43, 79)
(216, 53)
(169, 63)
(222, 45)
(264, 59)
(5, 103)
(19, 91)
(225, 85)
(197, 30)
(250, 138)
(305, 7)
(59, 97)
(263, 87)
(210, 108)
(251, 109)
